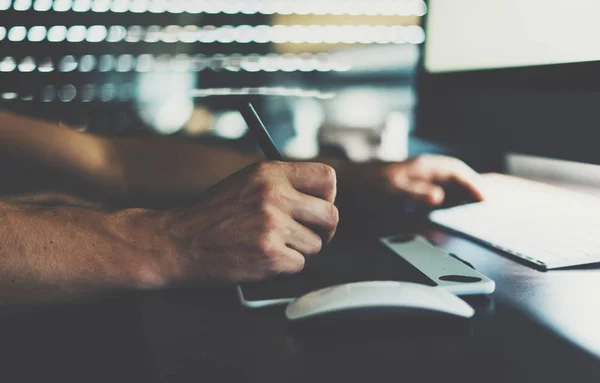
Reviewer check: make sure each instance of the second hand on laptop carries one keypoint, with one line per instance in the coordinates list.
(258, 129)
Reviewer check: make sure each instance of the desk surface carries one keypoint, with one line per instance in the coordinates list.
(537, 327)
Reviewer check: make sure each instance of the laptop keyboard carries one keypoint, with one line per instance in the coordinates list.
(548, 227)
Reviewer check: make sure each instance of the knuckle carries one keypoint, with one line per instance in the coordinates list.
(317, 245)
(268, 246)
(328, 174)
(268, 220)
(334, 216)
(268, 191)
(415, 163)
(298, 266)
(422, 160)
(422, 164)
(263, 168)
(272, 194)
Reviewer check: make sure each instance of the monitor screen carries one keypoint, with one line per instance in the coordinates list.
(474, 34)
(511, 76)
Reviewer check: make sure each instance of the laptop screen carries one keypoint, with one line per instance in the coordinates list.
(474, 34)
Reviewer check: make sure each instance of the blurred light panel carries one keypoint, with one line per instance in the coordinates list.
(42, 5)
(116, 33)
(170, 34)
(101, 6)
(126, 92)
(9, 96)
(125, 63)
(247, 7)
(62, 5)
(27, 65)
(134, 34)
(82, 5)
(279, 34)
(67, 64)
(17, 33)
(176, 6)
(2, 33)
(189, 34)
(161, 64)
(415, 34)
(181, 63)
(230, 125)
(5, 4)
(153, 34)
(139, 6)
(164, 99)
(264, 91)
(96, 33)
(289, 62)
(7, 64)
(22, 5)
(144, 63)
(199, 63)
(67, 93)
(88, 93)
(46, 65)
(217, 62)
(158, 6)
(106, 63)
(37, 33)
(108, 92)
(48, 93)
(76, 33)
(120, 6)
(87, 63)
(57, 33)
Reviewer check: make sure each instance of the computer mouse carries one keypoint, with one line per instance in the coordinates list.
(378, 298)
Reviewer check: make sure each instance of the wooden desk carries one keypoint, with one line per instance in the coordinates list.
(537, 327)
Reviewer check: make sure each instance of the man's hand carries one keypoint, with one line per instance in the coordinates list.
(260, 222)
(426, 179)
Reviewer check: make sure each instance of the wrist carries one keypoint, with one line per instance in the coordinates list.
(155, 260)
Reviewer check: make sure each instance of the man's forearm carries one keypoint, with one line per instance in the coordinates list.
(169, 169)
(140, 171)
(37, 155)
(51, 253)
(53, 199)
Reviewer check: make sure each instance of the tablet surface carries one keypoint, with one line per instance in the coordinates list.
(404, 258)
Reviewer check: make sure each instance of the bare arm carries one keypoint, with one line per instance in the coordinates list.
(163, 171)
(52, 253)
(38, 155)
(253, 225)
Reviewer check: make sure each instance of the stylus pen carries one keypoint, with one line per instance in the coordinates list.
(257, 128)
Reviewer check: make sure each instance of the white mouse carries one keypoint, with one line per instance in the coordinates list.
(399, 298)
